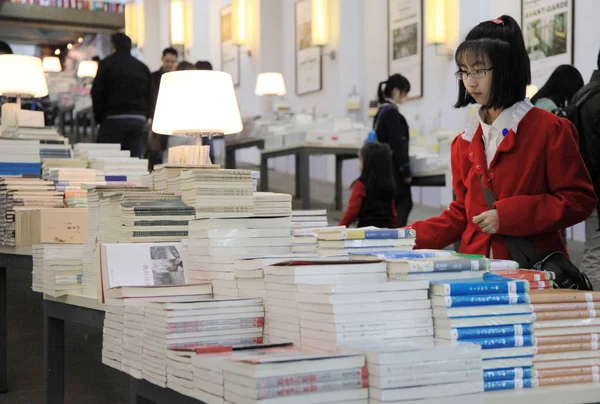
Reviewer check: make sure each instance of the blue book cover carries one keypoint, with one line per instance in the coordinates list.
(503, 342)
(508, 374)
(115, 178)
(485, 300)
(398, 255)
(20, 168)
(469, 333)
(508, 384)
(490, 285)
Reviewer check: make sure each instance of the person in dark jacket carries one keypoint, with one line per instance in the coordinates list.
(372, 199)
(392, 129)
(589, 146)
(158, 143)
(122, 96)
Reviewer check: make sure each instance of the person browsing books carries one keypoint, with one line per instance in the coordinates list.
(527, 157)
(372, 199)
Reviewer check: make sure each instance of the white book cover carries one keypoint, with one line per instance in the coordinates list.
(153, 264)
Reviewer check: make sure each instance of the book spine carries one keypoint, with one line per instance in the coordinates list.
(351, 375)
(160, 234)
(486, 288)
(379, 234)
(284, 391)
(222, 327)
(194, 345)
(565, 297)
(503, 342)
(138, 213)
(507, 374)
(552, 307)
(151, 223)
(572, 379)
(486, 300)
(566, 339)
(558, 372)
(558, 315)
(514, 384)
(214, 325)
(467, 333)
(577, 347)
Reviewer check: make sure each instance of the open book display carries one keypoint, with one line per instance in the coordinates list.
(189, 155)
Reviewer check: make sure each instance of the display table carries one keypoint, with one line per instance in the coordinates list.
(11, 258)
(302, 154)
(232, 147)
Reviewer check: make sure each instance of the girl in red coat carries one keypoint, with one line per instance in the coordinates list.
(527, 157)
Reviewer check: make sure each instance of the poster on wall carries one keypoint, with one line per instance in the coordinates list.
(548, 30)
(308, 57)
(405, 42)
(230, 53)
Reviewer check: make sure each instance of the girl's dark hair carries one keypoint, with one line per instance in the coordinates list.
(562, 85)
(203, 65)
(501, 43)
(394, 81)
(185, 66)
(377, 173)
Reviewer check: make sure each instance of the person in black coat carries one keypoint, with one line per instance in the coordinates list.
(392, 129)
(122, 97)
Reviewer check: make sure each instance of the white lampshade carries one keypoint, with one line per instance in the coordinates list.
(270, 84)
(196, 101)
(87, 68)
(22, 75)
(51, 64)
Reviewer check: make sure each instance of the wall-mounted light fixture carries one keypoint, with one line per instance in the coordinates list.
(441, 22)
(238, 22)
(320, 25)
(134, 23)
(51, 64)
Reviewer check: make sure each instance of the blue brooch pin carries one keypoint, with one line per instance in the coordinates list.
(504, 132)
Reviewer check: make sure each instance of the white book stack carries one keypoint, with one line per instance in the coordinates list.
(166, 177)
(214, 245)
(75, 163)
(19, 157)
(133, 339)
(309, 219)
(365, 240)
(312, 377)
(35, 133)
(283, 282)
(401, 372)
(304, 240)
(218, 193)
(148, 181)
(133, 168)
(269, 204)
(112, 334)
(57, 269)
(71, 178)
(191, 324)
(89, 151)
(180, 372)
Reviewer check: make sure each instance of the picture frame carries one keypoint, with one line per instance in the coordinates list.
(405, 42)
(230, 53)
(548, 31)
(308, 60)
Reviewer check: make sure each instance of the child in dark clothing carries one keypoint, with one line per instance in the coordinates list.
(372, 198)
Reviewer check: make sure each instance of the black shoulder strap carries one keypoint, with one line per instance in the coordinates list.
(587, 94)
(520, 249)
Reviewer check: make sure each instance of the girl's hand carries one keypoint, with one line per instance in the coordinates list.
(487, 221)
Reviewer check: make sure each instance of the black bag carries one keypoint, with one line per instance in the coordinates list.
(568, 276)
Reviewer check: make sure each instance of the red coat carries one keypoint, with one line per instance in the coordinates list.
(538, 177)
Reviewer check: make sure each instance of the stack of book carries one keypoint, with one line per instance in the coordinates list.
(309, 219)
(112, 335)
(538, 280)
(218, 193)
(310, 377)
(57, 269)
(180, 372)
(90, 151)
(171, 326)
(50, 163)
(269, 204)
(19, 157)
(47, 133)
(401, 372)
(122, 169)
(304, 240)
(440, 266)
(214, 245)
(72, 178)
(23, 193)
(493, 312)
(166, 177)
(566, 336)
(367, 240)
(134, 321)
(50, 225)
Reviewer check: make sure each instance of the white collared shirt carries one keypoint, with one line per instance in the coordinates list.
(494, 134)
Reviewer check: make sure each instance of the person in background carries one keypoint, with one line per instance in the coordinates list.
(157, 143)
(207, 141)
(96, 59)
(391, 128)
(5, 48)
(372, 200)
(122, 96)
(560, 88)
(527, 157)
(589, 146)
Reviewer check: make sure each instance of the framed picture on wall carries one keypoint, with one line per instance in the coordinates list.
(309, 74)
(405, 42)
(548, 30)
(230, 53)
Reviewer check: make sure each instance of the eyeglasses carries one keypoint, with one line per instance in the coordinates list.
(476, 74)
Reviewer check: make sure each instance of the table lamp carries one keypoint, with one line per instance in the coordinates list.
(21, 77)
(87, 69)
(51, 64)
(271, 85)
(196, 103)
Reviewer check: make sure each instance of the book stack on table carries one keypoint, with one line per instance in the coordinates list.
(57, 269)
(493, 312)
(367, 240)
(24, 157)
(305, 224)
(214, 245)
(411, 372)
(270, 204)
(166, 177)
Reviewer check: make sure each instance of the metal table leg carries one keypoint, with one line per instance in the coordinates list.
(298, 193)
(339, 165)
(54, 358)
(230, 162)
(264, 174)
(303, 177)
